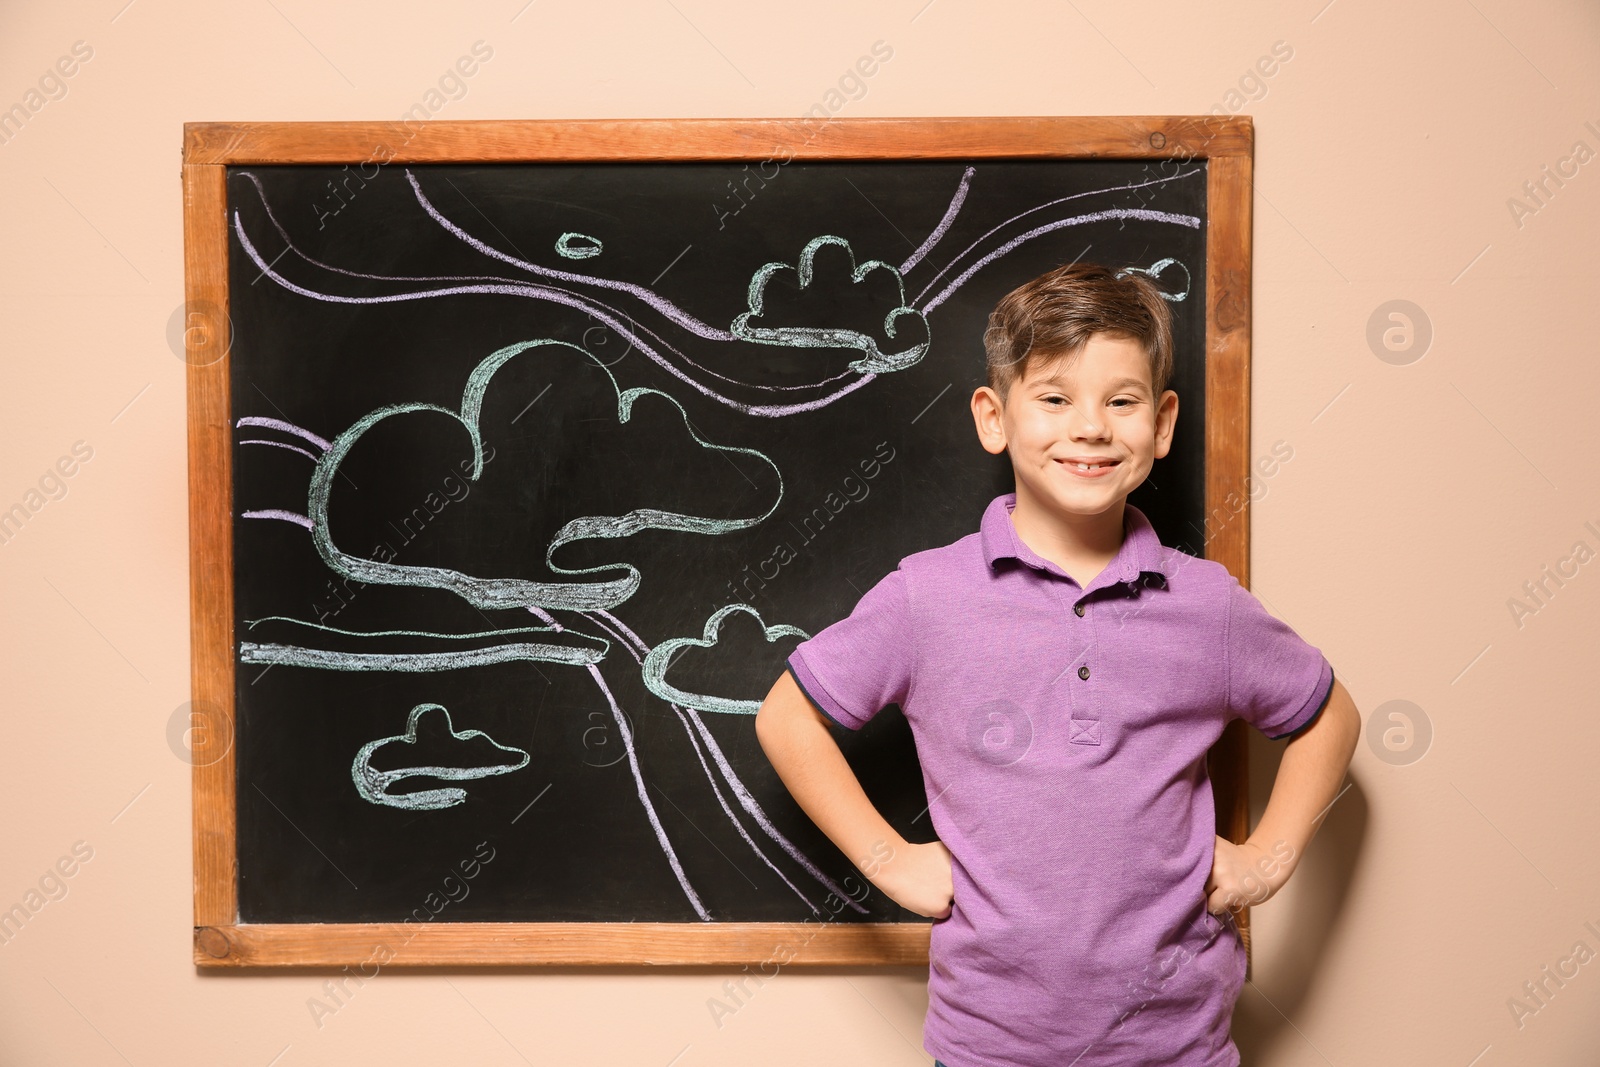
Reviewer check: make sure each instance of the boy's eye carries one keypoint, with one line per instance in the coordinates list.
(1057, 401)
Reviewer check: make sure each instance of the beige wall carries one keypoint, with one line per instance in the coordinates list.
(1419, 500)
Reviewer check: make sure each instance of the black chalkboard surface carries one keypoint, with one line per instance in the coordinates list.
(541, 469)
(522, 452)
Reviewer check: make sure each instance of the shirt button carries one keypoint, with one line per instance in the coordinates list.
(1078, 610)
(1083, 672)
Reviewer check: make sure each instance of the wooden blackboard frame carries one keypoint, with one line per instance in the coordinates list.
(220, 940)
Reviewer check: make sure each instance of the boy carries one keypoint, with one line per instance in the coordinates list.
(1063, 674)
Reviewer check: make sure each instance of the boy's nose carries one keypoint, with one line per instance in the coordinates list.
(1083, 427)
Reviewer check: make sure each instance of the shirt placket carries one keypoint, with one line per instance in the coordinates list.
(1075, 680)
(1095, 615)
(1086, 725)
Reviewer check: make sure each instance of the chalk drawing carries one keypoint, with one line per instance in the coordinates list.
(873, 360)
(944, 224)
(1154, 271)
(577, 246)
(518, 592)
(373, 784)
(655, 665)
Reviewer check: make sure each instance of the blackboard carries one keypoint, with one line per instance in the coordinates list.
(538, 468)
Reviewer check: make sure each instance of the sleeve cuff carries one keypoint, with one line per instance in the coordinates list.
(818, 694)
(1313, 706)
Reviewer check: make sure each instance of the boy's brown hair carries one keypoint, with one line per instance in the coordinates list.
(1055, 314)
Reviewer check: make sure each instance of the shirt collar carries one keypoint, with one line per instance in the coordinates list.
(1140, 551)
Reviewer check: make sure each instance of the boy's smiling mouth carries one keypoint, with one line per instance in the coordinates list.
(1089, 466)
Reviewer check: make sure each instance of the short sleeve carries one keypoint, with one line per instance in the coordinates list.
(854, 668)
(1275, 680)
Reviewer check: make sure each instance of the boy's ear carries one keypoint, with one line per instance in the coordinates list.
(1166, 422)
(986, 411)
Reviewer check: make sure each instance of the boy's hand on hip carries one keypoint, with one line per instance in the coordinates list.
(918, 878)
(1245, 874)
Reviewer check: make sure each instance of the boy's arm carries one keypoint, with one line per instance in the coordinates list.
(795, 737)
(1314, 765)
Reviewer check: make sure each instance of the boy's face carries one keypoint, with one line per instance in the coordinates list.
(1097, 408)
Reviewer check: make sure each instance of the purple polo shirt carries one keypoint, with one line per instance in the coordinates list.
(1062, 733)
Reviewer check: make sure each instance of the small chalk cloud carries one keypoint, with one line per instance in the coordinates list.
(1167, 278)
(578, 246)
(430, 748)
(905, 329)
(661, 657)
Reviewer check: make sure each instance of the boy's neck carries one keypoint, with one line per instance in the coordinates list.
(1081, 545)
